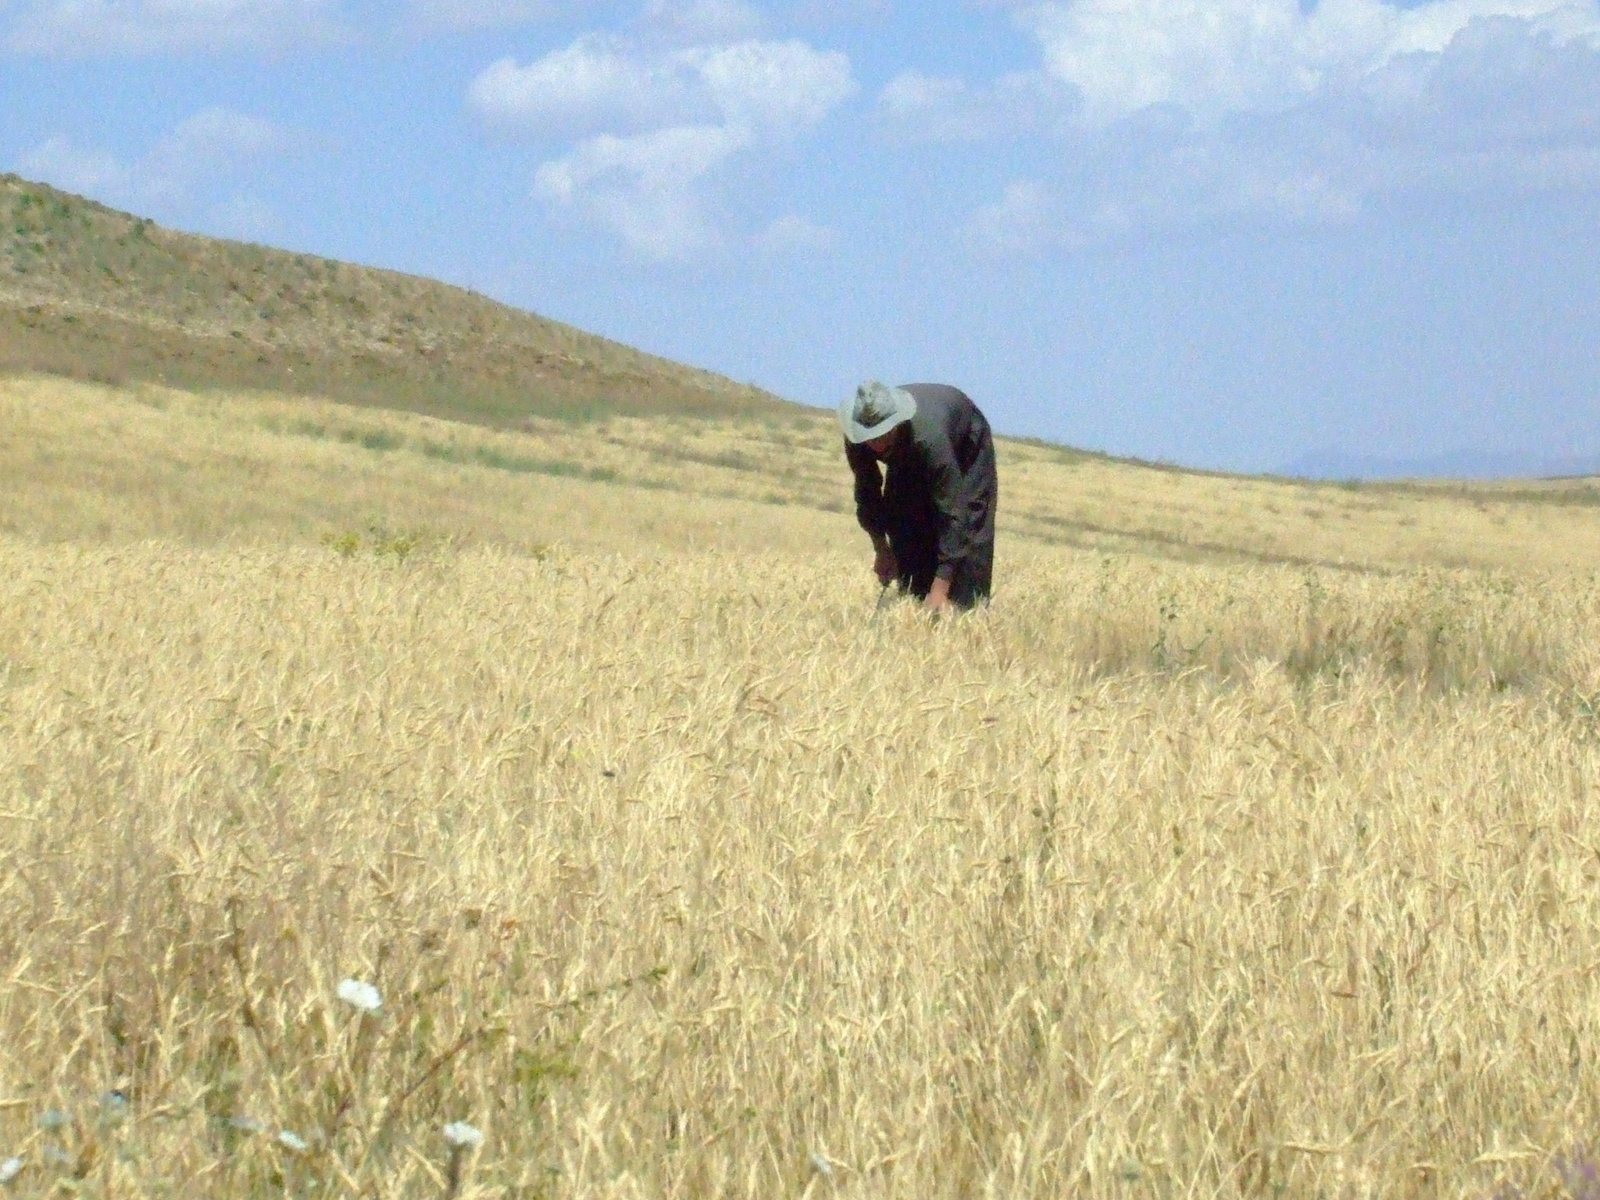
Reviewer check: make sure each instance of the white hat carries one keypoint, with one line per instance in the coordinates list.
(874, 411)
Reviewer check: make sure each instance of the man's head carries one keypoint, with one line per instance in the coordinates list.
(874, 413)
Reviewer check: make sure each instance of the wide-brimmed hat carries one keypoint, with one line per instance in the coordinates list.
(874, 410)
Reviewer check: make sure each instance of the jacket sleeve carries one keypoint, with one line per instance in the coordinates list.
(952, 501)
(870, 508)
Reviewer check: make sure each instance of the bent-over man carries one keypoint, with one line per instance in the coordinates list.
(931, 514)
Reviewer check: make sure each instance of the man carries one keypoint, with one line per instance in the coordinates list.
(931, 519)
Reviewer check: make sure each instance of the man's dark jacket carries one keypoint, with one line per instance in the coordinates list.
(937, 504)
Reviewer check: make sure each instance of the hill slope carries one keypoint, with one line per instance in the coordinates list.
(90, 292)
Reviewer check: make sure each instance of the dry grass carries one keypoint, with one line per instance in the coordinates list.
(83, 461)
(684, 871)
(679, 875)
(1095, 502)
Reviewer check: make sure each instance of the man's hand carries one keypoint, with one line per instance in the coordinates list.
(884, 564)
(938, 595)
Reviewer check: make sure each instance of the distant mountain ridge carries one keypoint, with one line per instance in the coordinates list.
(1459, 464)
(90, 292)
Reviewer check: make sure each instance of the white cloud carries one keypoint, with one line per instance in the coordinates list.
(1219, 56)
(600, 82)
(87, 172)
(213, 143)
(665, 159)
(947, 109)
(1123, 57)
(192, 171)
(783, 88)
(76, 27)
(593, 83)
(221, 135)
(1169, 113)
(912, 93)
(643, 187)
(660, 124)
(1026, 218)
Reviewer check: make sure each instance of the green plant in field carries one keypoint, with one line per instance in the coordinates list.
(398, 545)
(1318, 650)
(381, 439)
(344, 544)
(383, 542)
(1167, 616)
(389, 543)
(470, 454)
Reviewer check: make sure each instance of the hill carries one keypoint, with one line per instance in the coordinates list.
(92, 293)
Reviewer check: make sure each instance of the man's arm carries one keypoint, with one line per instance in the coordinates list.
(870, 510)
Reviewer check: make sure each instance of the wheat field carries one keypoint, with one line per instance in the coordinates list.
(683, 868)
(124, 464)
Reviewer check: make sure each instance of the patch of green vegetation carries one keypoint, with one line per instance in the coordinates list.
(521, 464)
(379, 539)
(345, 544)
(371, 439)
(730, 460)
(380, 439)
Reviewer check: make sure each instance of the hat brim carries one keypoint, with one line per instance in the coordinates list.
(905, 407)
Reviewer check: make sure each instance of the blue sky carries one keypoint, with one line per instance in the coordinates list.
(1227, 234)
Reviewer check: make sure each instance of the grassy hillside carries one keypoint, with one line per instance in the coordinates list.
(89, 292)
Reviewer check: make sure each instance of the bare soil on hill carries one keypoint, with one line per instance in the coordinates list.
(92, 293)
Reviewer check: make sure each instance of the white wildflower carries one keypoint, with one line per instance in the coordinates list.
(10, 1169)
(245, 1124)
(360, 995)
(291, 1140)
(823, 1166)
(459, 1133)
